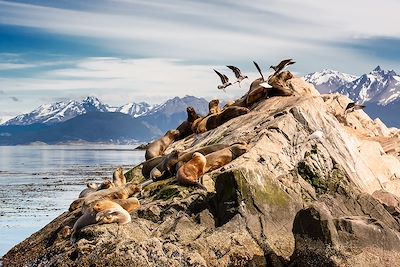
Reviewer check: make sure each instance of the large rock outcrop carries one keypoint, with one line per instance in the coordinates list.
(315, 189)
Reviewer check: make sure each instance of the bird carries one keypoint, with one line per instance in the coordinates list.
(259, 70)
(224, 80)
(284, 63)
(352, 107)
(238, 74)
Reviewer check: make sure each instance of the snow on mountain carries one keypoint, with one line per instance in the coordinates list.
(379, 86)
(135, 109)
(59, 111)
(327, 81)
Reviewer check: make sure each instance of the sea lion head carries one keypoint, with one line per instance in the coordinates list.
(107, 184)
(173, 134)
(92, 185)
(191, 113)
(238, 150)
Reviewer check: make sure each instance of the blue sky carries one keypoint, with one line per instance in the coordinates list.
(130, 50)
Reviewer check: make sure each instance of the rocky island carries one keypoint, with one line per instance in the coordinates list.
(315, 188)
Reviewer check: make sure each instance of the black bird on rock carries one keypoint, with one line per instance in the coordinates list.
(352, 107)
(238, 74)
(224, 80)
(284, 63)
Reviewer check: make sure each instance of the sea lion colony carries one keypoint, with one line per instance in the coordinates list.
(113, 201)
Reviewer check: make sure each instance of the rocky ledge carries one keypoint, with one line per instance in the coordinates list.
(316, 188)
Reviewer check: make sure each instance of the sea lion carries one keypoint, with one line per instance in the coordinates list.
(215, 120)
(166, 167)
(279, 85)
(189, 173)
(213, 107)
(129, 204)
(148, 165)
(104, 204)
(222, 157)
(122, 192)
(196, 123)
(116, 215)
(157, 147)
(119, 178)
(185, 128)
(185, 156)
(91, 187)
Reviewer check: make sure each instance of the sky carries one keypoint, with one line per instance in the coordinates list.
(130, 50)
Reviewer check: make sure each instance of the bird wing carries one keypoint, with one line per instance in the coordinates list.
(259, 70)
(223, 77)
(236, 70)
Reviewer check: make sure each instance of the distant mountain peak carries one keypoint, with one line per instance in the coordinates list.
(377, 69)
(327, 80)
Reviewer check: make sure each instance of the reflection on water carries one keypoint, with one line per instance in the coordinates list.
(37, 183)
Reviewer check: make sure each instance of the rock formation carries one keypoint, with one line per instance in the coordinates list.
(294, 199)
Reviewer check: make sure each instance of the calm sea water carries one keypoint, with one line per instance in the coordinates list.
(37, 183)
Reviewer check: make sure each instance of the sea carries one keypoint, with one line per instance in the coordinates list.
(38, 182)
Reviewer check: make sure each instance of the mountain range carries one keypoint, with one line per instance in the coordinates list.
(379, 90)
(90, 120)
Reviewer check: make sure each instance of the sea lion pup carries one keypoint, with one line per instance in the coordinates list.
(215, 120)
(148, 165)
(222, 157)
(91, 187)
(213, 107)
(189, 173)
(166, 167)
(196, 123)
(157, 147)
(279, 85)
(118, 215)
(185, 128)
(186, 156)
(119, 178)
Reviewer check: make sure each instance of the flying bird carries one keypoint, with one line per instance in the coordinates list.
(238, 74)
(224, 80)
(352, 107)
(284, 63)
(259, 70)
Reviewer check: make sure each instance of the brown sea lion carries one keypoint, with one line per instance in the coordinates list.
(119, 178)
(215, 120)
(213, 107)
(148, 165)
(166, 168)
(189, 173)
(104, 204)
(222, 157)
(196, 123)
(279, 85)
(115, 215)
(185, 128)
(157, 147)
(122, 192)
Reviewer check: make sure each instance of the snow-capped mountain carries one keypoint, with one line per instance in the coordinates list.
(327, 81)
(135, 109)
(379, 86)
(59, 111)
(177, 105)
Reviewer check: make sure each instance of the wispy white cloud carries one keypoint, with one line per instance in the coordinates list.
(14, 66)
